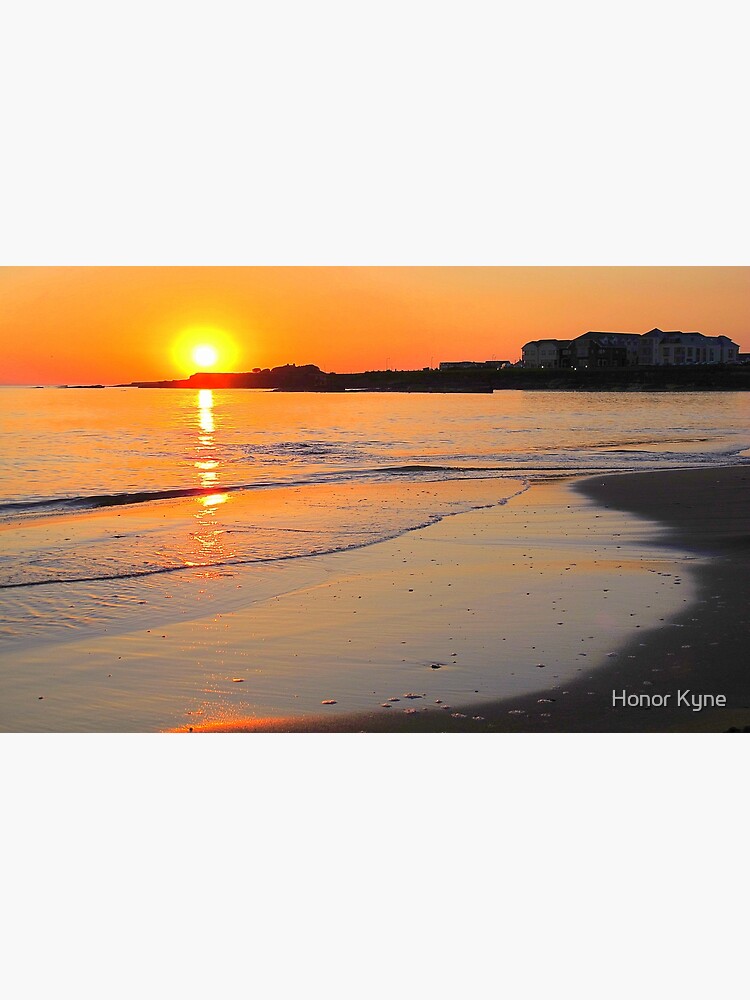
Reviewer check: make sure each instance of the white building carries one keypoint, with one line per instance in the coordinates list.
(677, 348)
(608, 350)
(543, 353)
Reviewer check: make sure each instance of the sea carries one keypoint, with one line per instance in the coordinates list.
(116, 501)
(196, 454)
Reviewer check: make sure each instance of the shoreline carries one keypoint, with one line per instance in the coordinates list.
(629, 582)
(702, 649)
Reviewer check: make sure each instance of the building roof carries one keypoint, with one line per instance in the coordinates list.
(547, 340)
(606, 333)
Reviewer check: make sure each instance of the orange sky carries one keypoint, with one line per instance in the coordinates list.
(100, 324)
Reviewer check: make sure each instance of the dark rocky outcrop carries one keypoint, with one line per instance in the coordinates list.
(310, 378)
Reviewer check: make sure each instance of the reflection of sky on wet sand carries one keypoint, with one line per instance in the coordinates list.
(486, 598)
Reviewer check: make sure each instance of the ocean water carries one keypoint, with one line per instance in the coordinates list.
(124, 512)
(201, 473)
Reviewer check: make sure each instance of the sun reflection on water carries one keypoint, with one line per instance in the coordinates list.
(206, 413)
(206, 463)
(208, 538)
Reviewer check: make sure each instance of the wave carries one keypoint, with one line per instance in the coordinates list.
(335, 545)
(528, 465)
(93, 501)
(90, 502)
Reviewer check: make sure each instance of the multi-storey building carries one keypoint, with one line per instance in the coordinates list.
(544, 354)
(616, 350)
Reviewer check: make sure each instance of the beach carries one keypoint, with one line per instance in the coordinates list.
(522, 615)
(701, 514)
(249, 562)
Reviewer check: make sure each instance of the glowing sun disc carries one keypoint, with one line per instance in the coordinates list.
(206, 349)
(205, 355)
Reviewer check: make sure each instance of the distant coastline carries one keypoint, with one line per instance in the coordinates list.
(310, 378)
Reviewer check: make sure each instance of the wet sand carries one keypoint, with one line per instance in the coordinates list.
(701, 518)
(521, 616)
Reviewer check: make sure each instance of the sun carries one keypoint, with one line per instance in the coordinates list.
(205, 349)
(205, 355)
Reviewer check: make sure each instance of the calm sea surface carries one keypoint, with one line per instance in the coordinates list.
(79, 446)
(187, 462)
(126, 484)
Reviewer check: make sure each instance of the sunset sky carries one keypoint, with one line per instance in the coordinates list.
(99, 324)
